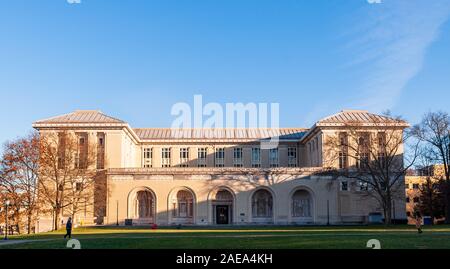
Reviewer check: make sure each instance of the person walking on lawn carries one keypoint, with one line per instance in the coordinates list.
(68, 228)
(418, 223)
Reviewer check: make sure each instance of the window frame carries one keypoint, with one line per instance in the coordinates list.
(274, 162)
(256, 163)
(238, 157)
(166, 157)
(292, 160)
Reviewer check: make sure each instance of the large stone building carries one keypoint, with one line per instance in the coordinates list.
(217, 176)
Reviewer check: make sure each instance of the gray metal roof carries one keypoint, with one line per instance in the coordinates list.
(220, 133)
(95, 117)
(357, 116)
(81, 116)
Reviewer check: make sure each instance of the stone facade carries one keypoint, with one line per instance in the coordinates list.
(213, 177)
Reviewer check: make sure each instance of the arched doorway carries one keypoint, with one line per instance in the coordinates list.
(262, 206)
(222, 207)
(302, 207)
(183, 207)
(142, 206)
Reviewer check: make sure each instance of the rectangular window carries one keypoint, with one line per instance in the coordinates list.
(100, 150)
(344, 186)
(363, 186)
(292, 157)
(219, 157)
(273, 158)
(165, 157)
(61, 150)
(256, 157)
(148, 157)
(407, 199)
(382, 150)
(79, 186)
(237, 157)
(416, 199)
(343, 151)
(363, 158)
(81, 157)
(201, 157)
(416, 186)
(184, 157)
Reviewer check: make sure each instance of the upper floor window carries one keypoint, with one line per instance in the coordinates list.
(256, 157)
(81, 157)
(184, 157)
(363, 157)
(148, 156)
(201, 157)
(61, 150)
(382, 149)
(292, 157)
(343, 150)
(237, 157)
(273, 158)
(416, 186)
(165, 157)
(100, 150)
(219, 157)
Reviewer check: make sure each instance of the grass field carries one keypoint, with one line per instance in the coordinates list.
(396, 237)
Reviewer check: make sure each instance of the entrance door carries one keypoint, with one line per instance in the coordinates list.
(222, 214)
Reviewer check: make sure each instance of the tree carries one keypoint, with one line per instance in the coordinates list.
(432, 199)
(67, 173)
(19, 178)
(372, 154)
(434, 130)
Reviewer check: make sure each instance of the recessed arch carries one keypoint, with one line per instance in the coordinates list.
(182, 203)
(141, 206)
(302, 205)
(221, 205)
(262, 205)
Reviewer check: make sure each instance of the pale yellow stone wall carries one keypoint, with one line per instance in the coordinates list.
(329, 203)
(343, 207)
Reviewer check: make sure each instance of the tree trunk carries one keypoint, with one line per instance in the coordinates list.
(388, 211)
(56, 219)
(29, 222)
(447, 203)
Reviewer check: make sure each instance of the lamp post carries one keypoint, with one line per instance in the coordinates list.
(117, 214)
(6, 219)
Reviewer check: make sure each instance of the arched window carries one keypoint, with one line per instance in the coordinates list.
(144, 205)
(301, 204)
(184, 206)
(262, 204)
(224, 195)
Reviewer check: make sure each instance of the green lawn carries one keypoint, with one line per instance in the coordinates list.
(396, 237)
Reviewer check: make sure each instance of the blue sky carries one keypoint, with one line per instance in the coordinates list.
(135, 59)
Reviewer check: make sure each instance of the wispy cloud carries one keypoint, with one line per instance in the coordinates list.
(389, 44)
